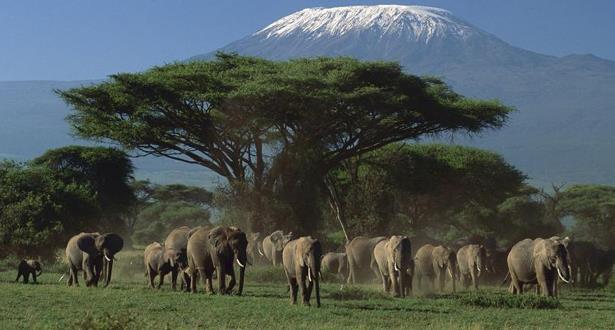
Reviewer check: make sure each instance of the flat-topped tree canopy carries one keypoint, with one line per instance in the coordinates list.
(220, 113)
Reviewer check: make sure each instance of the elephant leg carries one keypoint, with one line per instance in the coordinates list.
(351, 272)
(186, 281)
(302, 274)
(18, 276)
(474, 278)
(221, 280)
(34, 276)
(26, 277)
(232, 282)
(151, 276)
(204, 279)
(294, 288)
(161, 276)
(393, 282)
(174, 279)
(193, 272)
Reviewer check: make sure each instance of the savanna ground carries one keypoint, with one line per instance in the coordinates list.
(129, 303)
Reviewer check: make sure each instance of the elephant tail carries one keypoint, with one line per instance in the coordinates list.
(505, 279)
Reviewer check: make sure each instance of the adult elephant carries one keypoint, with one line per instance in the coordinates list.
(393, 258)
(177, 240)
(217, 249)
(273, 244)
(255, 247)
(94, 254)
(301, 261)
(335, 263)
(159, 261)
(471, 261)
(539, 261)
(433, 263)
(360, 254)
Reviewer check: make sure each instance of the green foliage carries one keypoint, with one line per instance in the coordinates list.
(593, 208)
(277, 128)
(158, 219)
(161, 208)
(61, 193)
(527, 301)
(415, 187)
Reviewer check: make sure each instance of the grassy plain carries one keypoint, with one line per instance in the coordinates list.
(129, 304)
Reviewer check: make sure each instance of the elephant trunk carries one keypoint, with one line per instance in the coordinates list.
(313, 271)
(108, 270)
(242, 272)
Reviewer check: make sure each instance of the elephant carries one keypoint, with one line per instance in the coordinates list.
(301, 260)
(360, 254)
(255, 247)
(27, 268)
(335, 263)
(471, 262)
(393, 257)
(217, 249)
(273, 245)
(178, 241)
(159, 260)
(432, 263)
(601, 263)
(94, 254)
(539, 261)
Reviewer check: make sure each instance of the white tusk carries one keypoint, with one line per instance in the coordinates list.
(396, 268)
(61, 277)
(240, 264)
(260, 252)
(560, 275)
(477, 268)
(309, 274)
(107, 258)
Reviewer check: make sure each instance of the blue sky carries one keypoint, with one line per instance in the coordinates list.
(87, 39)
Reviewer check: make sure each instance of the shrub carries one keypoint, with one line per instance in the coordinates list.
(356, 293)
(527, 301)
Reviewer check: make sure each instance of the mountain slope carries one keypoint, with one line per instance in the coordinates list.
(566, 105)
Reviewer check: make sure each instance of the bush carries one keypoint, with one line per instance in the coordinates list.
(107, 322)
(356, 293)
(527, 301)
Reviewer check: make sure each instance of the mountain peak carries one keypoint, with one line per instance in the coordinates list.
(416, 23)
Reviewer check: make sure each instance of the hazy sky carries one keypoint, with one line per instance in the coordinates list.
(87, 39)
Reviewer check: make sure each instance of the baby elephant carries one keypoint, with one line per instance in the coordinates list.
(159, 261)
(27, 267)
(335, 263)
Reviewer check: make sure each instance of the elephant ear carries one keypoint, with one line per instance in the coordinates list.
(112, 242)
(276, 236)
(216, 237)
(87, 244)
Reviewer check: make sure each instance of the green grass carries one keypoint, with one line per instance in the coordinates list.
(129, 304)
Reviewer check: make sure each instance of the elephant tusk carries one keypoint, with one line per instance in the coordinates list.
(395, 265)
(478, 268)
(309, 274)
(240, 264)
(107, 258)
(560, 276)
(260, 252)
(61, 277)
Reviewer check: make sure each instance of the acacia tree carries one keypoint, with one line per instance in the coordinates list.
(273, 126)
(593, 208)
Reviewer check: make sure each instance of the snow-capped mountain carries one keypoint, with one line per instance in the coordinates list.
(562, 130)
(412, 23)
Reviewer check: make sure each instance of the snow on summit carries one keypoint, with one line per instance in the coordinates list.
(415, 22)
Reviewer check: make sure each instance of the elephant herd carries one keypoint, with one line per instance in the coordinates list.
(190, 254)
